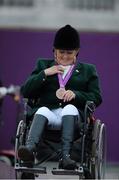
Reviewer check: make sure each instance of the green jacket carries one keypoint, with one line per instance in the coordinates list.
(84, 83)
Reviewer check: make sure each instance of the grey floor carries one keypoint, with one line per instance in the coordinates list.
(7, 172)
(112, 172)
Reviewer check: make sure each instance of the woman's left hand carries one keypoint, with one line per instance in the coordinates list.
(68, 95)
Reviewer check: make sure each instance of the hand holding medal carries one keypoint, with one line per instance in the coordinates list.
(60, 93)
(66, 95)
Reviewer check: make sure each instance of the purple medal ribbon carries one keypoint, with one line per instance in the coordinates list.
(63, 82)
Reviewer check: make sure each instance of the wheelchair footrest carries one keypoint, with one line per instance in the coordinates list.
(40, 170)
(67, 172)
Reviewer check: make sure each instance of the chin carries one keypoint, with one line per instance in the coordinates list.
(65, 64)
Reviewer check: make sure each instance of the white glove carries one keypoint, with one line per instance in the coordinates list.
(3, 92)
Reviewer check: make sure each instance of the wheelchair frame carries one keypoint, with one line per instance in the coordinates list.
(92, 154)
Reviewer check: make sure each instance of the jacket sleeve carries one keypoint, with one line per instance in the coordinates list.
(35, 81)
(93, 92)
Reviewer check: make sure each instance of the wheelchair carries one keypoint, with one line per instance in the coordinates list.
(89, 148)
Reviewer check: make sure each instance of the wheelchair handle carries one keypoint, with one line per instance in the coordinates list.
(90, 105)
(25, 102)
(89, 108)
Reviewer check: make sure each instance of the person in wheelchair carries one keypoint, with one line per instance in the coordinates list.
(62, 85)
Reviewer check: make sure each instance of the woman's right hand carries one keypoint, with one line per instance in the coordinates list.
(54, 70)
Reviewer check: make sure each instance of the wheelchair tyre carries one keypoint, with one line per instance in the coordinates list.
(19, 139)
(6, 160)
(98, 163)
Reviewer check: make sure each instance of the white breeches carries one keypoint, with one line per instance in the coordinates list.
(54, 116)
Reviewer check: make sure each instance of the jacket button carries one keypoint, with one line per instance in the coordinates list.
(60, 104)
(77, 70)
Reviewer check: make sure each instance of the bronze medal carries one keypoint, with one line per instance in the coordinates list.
(60, 93)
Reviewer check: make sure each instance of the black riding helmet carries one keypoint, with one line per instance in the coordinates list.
(67, 38)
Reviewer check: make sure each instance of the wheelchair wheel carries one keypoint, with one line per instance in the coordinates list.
(20, 140)
(98, 163)
(21, 136)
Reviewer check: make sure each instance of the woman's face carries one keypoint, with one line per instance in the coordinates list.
(65, 57)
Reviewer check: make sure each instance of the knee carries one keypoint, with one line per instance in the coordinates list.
(43, 111)
(70, 110)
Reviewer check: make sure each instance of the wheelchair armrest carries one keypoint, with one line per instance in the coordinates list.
(88, 110)
(90, 106)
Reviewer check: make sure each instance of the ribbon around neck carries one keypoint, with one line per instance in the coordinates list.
(63, 82)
